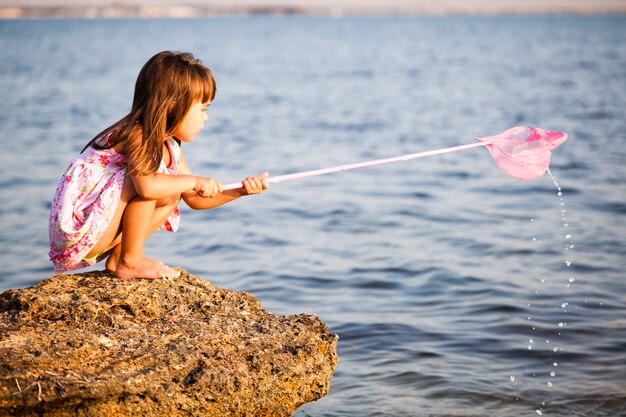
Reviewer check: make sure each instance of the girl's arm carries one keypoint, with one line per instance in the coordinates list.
(253, 185)
(155, 186)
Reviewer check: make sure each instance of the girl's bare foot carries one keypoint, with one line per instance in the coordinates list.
(144, 268)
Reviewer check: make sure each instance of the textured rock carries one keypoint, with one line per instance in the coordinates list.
(95, 345)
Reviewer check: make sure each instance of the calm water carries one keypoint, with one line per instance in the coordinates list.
(455, 290)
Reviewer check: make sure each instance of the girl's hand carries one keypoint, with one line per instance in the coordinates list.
(255, 184)
(207, 187)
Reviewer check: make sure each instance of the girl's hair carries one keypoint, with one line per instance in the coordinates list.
(167, 85)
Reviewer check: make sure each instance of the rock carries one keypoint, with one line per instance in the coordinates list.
(94, 345)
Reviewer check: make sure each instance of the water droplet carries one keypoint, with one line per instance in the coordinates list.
(560, 193)
(512, 378)
(564, 305)
(539, 412)
(561, 324)
(568, 236)
(565, 224)
(571, 246)
(555, 349)
(530, 347)
(563, 211)
(571, 279)
(568, 263)
(550, 384)
(531, 341)
(553, 179)
(532, 220)
(552, 374)
(543, 280)
(529, 317)
(555, 364)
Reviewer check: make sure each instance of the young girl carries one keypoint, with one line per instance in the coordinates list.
(129, 179)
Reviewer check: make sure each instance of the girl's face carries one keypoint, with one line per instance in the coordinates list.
(193, 122)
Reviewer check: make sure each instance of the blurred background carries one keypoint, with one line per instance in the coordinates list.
(197, 8)
(455, 290)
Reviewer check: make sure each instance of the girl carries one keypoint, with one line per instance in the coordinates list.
(129, 179)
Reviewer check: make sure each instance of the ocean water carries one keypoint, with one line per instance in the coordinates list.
(455, 290)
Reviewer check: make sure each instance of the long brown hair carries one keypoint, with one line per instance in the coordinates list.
(167, 85)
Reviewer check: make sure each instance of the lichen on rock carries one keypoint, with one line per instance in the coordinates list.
(94, 345)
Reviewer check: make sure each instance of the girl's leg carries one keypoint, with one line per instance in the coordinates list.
(112, 237)
(164, 207)
(132, 262)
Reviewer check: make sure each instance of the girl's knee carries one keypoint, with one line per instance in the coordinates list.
(170, 201)
(128, 190)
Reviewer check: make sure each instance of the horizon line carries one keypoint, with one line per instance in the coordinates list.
(196, 11)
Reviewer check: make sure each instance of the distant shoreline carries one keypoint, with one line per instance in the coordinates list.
(197, 11)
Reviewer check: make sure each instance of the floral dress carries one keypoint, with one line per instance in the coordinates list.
(86, 200)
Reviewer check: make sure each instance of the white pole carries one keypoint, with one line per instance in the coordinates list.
(357, 165)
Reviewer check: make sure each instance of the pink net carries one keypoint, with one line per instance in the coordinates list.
(523, 152)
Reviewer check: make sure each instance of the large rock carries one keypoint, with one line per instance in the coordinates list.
(95, 345)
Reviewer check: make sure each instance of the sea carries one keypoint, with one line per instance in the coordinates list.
(455, 290)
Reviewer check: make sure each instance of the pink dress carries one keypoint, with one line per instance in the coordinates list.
(86, 200)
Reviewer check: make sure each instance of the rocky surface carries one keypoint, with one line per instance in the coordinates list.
(95, 345)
